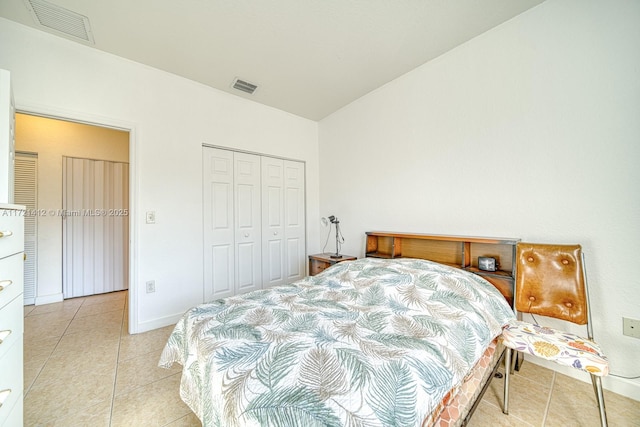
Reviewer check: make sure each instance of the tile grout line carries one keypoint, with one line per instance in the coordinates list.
(115, 378)
(54, 349)
(64, 333)
(123, 331)
(546, 409)
(26, 392)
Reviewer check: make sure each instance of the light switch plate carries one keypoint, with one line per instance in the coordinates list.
(151, 217)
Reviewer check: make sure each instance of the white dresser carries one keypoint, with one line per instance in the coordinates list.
(11, 314)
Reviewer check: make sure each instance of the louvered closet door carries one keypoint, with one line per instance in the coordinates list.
(26, 194)
(219, 259)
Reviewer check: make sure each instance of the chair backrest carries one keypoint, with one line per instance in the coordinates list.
(550, 281)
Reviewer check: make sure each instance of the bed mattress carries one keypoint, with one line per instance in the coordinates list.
(366, 343)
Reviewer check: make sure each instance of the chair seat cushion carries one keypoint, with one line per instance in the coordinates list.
(558, 346)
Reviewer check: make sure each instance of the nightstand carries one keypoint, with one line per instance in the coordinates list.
(320, 262)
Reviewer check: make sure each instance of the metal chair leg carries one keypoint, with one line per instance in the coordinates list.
(507, 375)
(597, 385)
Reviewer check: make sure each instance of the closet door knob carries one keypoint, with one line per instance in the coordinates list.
(246, 234)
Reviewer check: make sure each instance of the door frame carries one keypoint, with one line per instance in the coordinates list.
(118, 124)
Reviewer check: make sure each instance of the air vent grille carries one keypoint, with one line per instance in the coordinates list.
(244, 86)
(60, 19)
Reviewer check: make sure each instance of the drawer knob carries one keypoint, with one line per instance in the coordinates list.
(3, 395)
(4, 284)
(4, 334)
(6, 233)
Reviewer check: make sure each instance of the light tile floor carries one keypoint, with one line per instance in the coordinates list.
(82, 368)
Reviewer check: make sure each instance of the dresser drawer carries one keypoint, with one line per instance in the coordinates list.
(10, 381)
(16, 416)
(12, 232)
(320, 262)
(317, 267)
(11, 325)
(11, 278)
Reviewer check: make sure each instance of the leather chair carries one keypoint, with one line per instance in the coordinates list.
(551, 281)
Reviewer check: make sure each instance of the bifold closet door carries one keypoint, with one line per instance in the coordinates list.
(294, 221)
(247, 249)
(254, 222)
(231, 199)
(283, 219)
(273, 243)
(219, 261)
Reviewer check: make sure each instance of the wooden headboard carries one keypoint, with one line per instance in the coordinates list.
(456, 251)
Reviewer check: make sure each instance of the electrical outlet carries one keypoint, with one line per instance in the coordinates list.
(151, 286)
(631, 327)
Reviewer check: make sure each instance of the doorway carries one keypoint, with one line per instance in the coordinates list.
(53, 139)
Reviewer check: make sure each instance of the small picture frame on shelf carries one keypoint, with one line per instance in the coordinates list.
(486, 263)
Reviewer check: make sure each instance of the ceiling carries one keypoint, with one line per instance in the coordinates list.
(308, 57)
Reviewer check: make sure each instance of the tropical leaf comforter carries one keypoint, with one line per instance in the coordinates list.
(366, 343)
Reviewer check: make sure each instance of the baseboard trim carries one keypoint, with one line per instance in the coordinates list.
(155, 323)
(48, 299)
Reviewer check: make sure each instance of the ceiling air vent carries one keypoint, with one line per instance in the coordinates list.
(244, 86)
(60, 19)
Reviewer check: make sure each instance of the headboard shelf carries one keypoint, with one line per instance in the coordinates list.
(457, 251)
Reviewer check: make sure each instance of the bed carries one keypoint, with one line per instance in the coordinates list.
(371, 342)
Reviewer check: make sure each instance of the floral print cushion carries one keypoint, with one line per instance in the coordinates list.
(558, 346)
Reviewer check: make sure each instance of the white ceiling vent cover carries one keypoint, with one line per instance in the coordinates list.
(60, 19)
(244, 86)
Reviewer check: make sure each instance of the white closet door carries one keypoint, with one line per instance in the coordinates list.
(218, 199)
(95, 232)
(273, 243)
(254, 222)
(26, 194)
(248, 235)
(295, 249)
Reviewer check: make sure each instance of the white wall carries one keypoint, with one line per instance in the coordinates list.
(51, 140)
(531, 130)
(170, 118)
